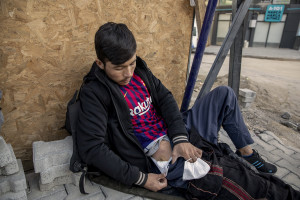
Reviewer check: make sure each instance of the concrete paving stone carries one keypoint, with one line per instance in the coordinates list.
(265, 137)
(12, 167)
(48, 154)
(267, 155)
(285, 164)
(72, 178)
(292, 179)
(280, 146)
(111, 194)
(13, 183)
(244, 92)
(244, 104)
(5, 153)
(294, 149)
(270, 133)
(94, 190)
(54, 172)
(281, 172)
(263, 144)
(290, 159)
(34, 193)
(246, 99)
(21, 195)
(296, 156)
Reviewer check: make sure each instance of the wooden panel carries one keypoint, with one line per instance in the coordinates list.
(46, 47)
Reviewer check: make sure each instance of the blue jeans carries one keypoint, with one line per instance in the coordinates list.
(218, 108)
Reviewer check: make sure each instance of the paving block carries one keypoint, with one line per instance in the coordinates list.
(48, 154)
(285, 164)
(265, 137)
(296, 156)
(281, 172)
(94, 190)
(292, 179)
(246, 99)
(13, 183)
(271, 134)
(72, 178)
(244, 104)
(247, 93)
(12, 167)
(288, 158)
(34, 193)
(263, 144)
(5, 153)
(54, 172)
(21, 195)
(281, 147)
(271, 157)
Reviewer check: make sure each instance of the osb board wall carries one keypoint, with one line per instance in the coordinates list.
(46, 47)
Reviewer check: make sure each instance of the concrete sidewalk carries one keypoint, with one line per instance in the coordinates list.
(263, 53)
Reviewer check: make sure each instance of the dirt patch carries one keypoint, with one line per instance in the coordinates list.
(266, 111)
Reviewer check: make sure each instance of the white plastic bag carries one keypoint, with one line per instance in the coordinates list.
(195, 170)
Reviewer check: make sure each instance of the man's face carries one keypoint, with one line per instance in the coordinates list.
(121, 74)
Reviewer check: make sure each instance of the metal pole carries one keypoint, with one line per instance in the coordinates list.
(235, 26)
(236, 50)
(210, 10)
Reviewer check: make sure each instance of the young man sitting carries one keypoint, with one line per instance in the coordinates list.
(131, 129)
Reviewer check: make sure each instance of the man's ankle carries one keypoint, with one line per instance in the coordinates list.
(246, 151)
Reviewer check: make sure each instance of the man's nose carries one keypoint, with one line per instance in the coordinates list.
(128, 72)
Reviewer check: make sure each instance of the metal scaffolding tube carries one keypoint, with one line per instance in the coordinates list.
(210, 10)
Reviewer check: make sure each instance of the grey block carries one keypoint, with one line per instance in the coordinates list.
(13, 183)
(292, 179)
(21, 195)
(48, 154)
(12, 167)
(281, 172)
(247, 93)
(285, 164)
(263, 144)
(244, 105)
(286, 157)
(5, 153)
(247, 99)
(72, 178)
(265, 137)
(95, 193)
(270, 133)
(34, 193)
(280, 146)
(54, 172)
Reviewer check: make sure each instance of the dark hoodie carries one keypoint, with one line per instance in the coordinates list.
(105, 134)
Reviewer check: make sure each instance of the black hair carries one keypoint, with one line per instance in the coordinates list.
(115, 43)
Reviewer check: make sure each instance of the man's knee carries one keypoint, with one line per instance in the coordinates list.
(226, 91)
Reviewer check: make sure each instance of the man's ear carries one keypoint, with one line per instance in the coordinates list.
(99, 63)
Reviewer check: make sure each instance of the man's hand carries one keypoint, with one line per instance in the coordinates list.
(187, 151)
(156, 182)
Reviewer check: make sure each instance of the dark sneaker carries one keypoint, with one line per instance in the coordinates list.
(260, 164)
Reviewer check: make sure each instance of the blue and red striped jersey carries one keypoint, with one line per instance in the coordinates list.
(147, 124)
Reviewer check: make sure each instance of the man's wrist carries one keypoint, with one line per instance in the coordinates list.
(142, 179)
(180, 139)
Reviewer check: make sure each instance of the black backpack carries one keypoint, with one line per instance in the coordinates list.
(76, 163)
